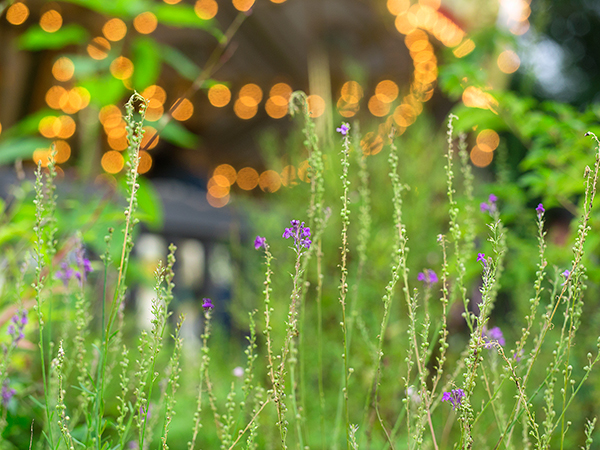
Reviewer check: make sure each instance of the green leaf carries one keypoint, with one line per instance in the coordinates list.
(146, 60)
(177, 134)
(126, 9)
(104, 90)
(13, 149)
(37, 39)
(181, 63)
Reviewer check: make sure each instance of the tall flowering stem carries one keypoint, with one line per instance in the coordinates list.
(135, 134)
(38, 253)
(204, 363)
(345, 214)
(301, 244)
(455, 230)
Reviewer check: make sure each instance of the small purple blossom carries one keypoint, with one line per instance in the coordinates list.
(15, 329)
(540, 210)
(300, 233)
(492, 336)
(490, 205)
(343, 129)
(566, 274)
(260, 242)
(481, 258)
(66, 273)
(518, 355)
(428, 277)
(454, 396)
(207, 303)
(7, 394)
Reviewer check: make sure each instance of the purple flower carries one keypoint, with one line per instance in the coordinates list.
(207, 303)
(65, 274)
(454, 396)
(7, 393)
(87, 265)
(15, 329)
(481, 258)
(259, 242)
(540, 210)
(343, 129)
(493, 336)
(428, 276)
(518, 355)
(490, 206)
(566, 274)
(300, 233)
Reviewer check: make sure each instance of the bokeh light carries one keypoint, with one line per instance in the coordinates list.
(150, 137)
(464, 49)
(474, 97)
(316, 105)
(377, 107)
(247, 178)
(396, 7)
(218, 186)
(244, 111)
(346, 109)
(278, 1)
(269, 181)
(275, 111)
(405, 115)
(121, 68)
(41, 155)
(303, 171)
(227, 171)
(98, 48)
(351, 92)
(112, 161)
(280, 94)
(114, 29)
(17, 13)
(63, 151)
(117, 138)
(508, 61)
(288, 176)
(206, 9)
(183, 110)
(54, 95)
(488, 140)
(66, 127)
(49, 126)
(145, 162)
(145, 23)
(403, 23)
(386, 91)
(110, 116)
(171, 2)
(250, 94)
(481, 158)
(63, 69)
(242, 5)
(217, 202)
(219, 95)
(371, 144)
(51, 21)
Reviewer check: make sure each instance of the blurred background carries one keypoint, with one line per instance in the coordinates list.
(218, 77)
(223, 160)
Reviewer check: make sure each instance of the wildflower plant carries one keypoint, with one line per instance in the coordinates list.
(442, 368)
